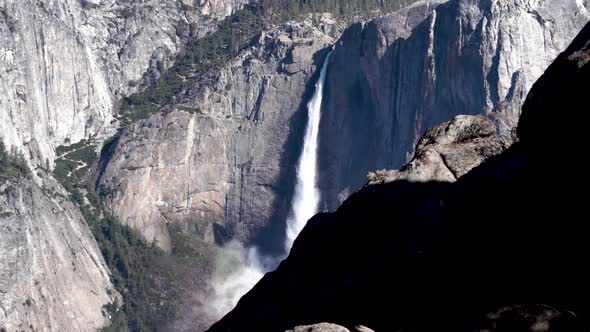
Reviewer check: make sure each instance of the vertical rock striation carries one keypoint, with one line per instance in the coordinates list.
(221, 160)
(500, 249)
(397, 76)
(234, 136)
(52, 274)
(64, 64)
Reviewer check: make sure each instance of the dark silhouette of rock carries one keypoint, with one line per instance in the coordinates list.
(534, 318)
(393, 78)
(503, 248)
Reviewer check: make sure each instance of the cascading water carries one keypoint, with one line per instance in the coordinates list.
(307, 194)
(246, 265)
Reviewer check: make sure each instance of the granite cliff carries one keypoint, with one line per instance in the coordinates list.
(389, 80)
(212, 161)
(500, 249)
(395, 77)
(52, 274)
(65, 64)
(217, 162)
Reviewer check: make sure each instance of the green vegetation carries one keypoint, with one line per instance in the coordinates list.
(282, 10)
(133, 264)
(199, 57)
(83, 151)
(12, 164)
(132, 261)
(6, 214)
(235, 33)
(72, 165)
(147, 279)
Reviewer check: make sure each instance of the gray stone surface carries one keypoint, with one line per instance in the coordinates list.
(322, 327)
(52, 274)
(450, 150)
(64, 64)
(393, 78)
(432, 251)
(213, 161)
(235, 136)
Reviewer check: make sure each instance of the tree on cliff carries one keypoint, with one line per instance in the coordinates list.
(13, 163)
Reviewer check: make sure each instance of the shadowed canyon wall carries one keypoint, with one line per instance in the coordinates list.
(500, 249)
(399, 75)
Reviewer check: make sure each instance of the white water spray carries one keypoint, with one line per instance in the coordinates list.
(239, 269)
(307, 194)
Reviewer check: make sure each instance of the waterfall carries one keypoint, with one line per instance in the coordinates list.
(238, 269)
(307, 194)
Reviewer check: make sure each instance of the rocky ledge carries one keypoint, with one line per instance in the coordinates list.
(452, 149)
(394, 77)
(501, 249)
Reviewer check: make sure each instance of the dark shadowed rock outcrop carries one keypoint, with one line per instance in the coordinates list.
(399, 75)
(235, 136)
(531, 318)
(501, 249)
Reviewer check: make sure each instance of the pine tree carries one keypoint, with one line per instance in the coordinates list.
(3, 156)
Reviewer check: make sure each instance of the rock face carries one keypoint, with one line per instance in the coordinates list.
(63, 66)
(531, 318)
(237, 134)
(393, 78)
(52, 274)
(65, 63)
(322, 327)
(212, 161)
(452, 149)
(454, 256)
